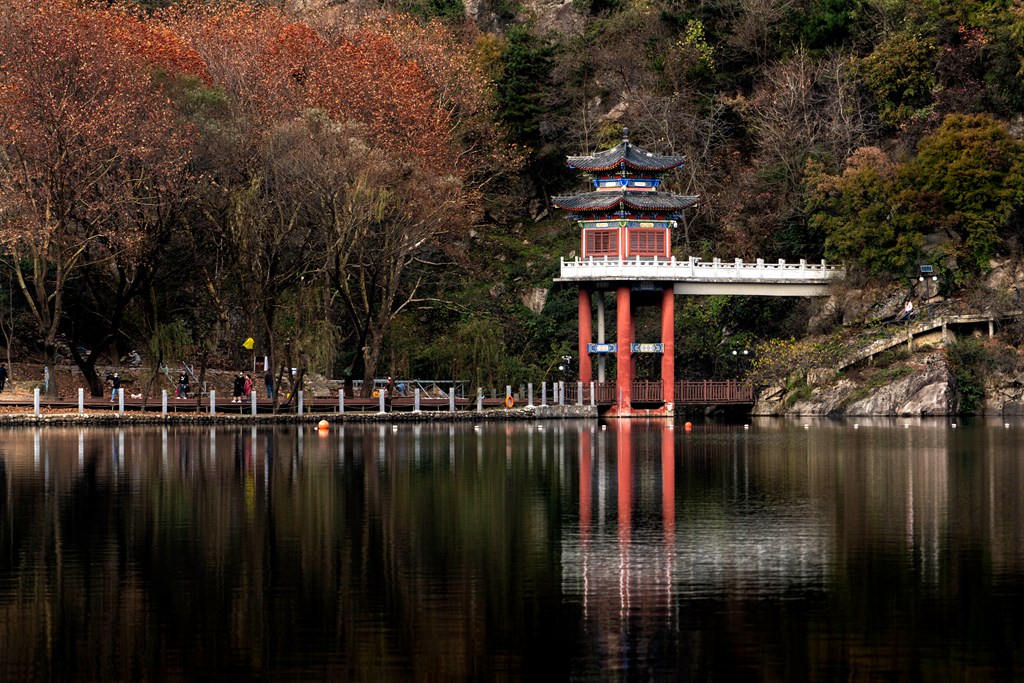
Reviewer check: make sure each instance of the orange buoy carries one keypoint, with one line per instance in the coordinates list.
(323, 425)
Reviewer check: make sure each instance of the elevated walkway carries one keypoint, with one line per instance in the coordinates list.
(937, 327)
(697, 277)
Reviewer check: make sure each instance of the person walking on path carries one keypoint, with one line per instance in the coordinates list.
(268, 379)
(247, 387)
(183, 387)
(236, 394)
(3, 376)
(116, 386)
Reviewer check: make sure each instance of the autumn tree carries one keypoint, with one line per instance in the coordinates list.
(89, 147)
(970, 175)
(351, 140)
(864, 215)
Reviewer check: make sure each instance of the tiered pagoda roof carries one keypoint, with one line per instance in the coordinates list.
(639, 201)
(630, 162)
(630, 155)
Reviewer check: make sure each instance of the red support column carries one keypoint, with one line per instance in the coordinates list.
(668, 336)
(623, 365)
(586, 334)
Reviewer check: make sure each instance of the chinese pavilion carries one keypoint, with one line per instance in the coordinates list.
(626, 217)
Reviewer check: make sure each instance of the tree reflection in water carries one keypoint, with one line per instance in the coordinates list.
(556, 549)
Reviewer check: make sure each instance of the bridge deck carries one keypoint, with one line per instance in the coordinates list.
(695, 276)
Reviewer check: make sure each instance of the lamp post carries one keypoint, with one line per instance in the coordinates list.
(737, 356)
(926, 277)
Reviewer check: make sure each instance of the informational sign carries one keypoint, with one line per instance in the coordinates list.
(602, 348)
(647, 348)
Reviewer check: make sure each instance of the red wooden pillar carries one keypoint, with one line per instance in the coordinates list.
(623, 366)
(668, 336)
(586, 334)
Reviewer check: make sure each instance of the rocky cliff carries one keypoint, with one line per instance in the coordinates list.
(923, 387)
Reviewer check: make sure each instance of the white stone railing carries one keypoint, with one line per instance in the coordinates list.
(654, 268)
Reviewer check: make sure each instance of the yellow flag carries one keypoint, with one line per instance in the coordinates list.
(249, 343)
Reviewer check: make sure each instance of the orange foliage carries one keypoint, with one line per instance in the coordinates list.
(274, 68)
(80, 115)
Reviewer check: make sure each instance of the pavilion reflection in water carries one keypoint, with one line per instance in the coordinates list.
(666, 515)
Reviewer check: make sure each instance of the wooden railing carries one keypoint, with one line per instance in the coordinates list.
(700, 392)
(712, 392)
(647, 391)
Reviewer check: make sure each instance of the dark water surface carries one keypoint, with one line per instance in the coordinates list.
(862, 550)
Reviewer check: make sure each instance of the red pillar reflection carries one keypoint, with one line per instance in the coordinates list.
(624, 449)
(586, 486)
(624, 469)
(668, 481)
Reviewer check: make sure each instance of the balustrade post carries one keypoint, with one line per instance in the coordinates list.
(81, 400)
(213, 402)
(479, 399)
(163, 402)
(35, 401)
(416, 400)
(341, 401)
(301, 405)
(529, 394)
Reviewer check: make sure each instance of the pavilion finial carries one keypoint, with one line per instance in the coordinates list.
(625, 134)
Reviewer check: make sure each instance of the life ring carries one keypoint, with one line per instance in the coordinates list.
(376, 394)
(509, 402)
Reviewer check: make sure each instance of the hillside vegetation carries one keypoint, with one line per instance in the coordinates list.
(364, 189)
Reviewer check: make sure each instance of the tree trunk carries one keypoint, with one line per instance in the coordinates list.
(88, 367)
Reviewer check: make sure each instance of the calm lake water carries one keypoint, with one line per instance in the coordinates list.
(856, 550)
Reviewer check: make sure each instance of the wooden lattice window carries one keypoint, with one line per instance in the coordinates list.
(601, 242)
(646, 242)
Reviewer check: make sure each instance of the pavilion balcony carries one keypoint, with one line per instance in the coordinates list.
(694, 276)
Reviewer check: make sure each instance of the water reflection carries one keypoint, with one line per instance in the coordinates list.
(789, 549)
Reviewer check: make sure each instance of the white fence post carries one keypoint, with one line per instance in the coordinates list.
(163, 403)
(213, 402)
(301, 406)
(416, 399)
(81, 400)
(35, 402)
(341, 401)
(120, 401)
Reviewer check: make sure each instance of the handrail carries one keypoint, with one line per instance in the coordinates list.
(715, 269)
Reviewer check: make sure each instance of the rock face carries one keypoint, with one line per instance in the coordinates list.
(534, 299)
(928, 393)
(928, 390)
